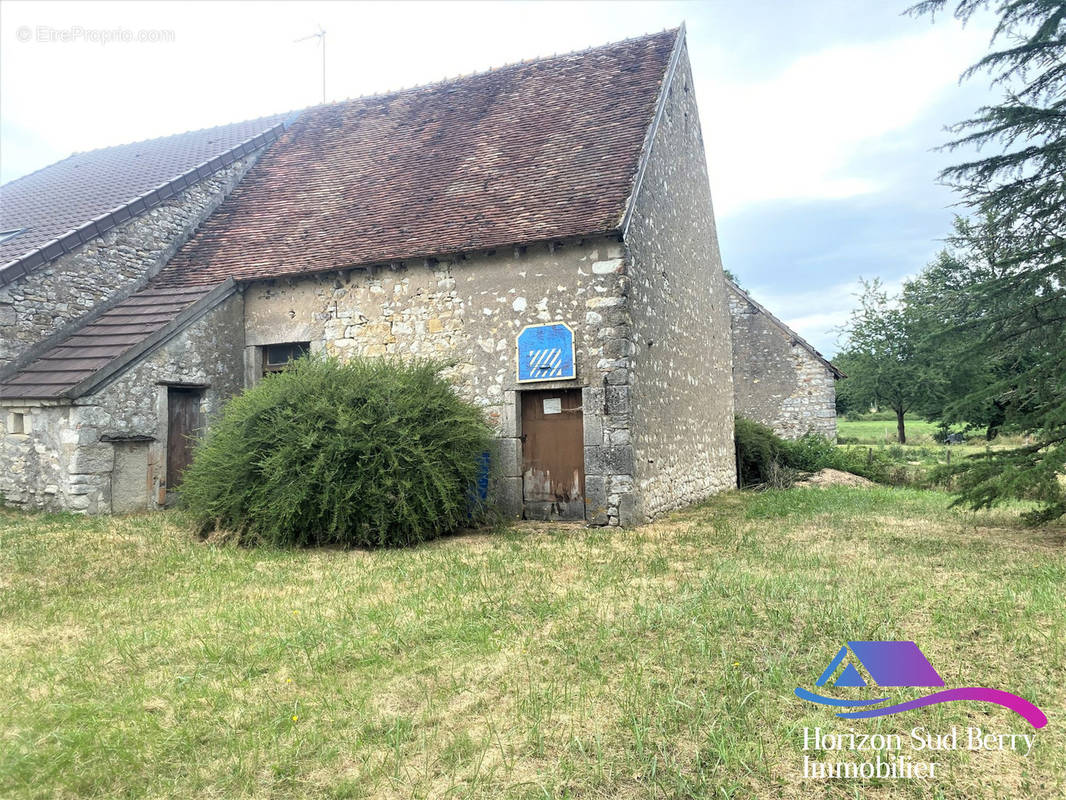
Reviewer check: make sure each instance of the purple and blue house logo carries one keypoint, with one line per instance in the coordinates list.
(902, 664)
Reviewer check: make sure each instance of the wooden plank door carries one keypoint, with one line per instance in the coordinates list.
(553, 455)
(183, 426)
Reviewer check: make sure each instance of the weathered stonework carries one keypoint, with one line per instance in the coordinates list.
(68, 459)
(648, 308)
(681, 392)
(469, 310)
(31, 461)
(52, 300)
(777, 380)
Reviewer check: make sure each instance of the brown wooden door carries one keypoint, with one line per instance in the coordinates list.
(183, 426)
(553, 455)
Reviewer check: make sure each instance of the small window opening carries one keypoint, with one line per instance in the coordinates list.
(277, 357)
(18, 423)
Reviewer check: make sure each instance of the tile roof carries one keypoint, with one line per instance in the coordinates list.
(537, 150)
(56, 200)
(102, 340)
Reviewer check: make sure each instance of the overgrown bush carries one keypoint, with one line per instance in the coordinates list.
(368, 453)
(884, 415)
(765, 459)
(943, 434)
(758, 449)
(811, 453)
(875, 463)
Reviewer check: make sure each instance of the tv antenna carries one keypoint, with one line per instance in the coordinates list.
(321, 36)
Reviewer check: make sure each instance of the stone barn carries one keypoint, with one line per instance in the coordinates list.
(778, 378)
(546, 227)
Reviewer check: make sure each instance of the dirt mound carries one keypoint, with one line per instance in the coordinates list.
(834, 477)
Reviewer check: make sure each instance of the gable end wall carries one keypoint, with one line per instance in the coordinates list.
(777, 381)
(681, 383)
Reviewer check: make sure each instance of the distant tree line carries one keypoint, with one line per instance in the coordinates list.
(978, 339)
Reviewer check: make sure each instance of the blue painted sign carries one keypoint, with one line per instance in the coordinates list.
(546, 353)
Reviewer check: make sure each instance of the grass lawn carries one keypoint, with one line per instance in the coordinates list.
(539, 662)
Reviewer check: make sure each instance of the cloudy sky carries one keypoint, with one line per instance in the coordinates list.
(819, 117)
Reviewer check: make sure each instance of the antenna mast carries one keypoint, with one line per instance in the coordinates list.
(321, 36)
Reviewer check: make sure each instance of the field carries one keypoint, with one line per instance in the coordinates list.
(874, 435)
(883, 431)
(535, 662)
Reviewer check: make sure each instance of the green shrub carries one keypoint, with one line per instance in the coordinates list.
(943, 431)
(765, 459)
(369, 453)
(758, 449)
(869, 462)
(884, 415)
(810, 453)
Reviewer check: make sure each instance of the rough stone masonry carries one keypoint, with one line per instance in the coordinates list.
(664, 346)
(40, 308)
(779, 379)
(468, 309)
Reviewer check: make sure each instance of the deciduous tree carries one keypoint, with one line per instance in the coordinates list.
(883, 357)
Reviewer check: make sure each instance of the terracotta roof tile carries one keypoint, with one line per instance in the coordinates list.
(98, 343)
(533, 151)
(539, 150)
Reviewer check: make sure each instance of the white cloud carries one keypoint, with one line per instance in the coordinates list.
(817, 314)
(796, 135)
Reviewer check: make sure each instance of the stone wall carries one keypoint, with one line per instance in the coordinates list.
(680, 386)
(777, 380)
(470, 309)
(652, 345)
(31, 455)
(48, 303)
(66, 462)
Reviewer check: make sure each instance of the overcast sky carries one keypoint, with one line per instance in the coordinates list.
(819, 117)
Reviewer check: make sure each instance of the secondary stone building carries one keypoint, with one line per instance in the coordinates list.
(778, 378)
(546, 227)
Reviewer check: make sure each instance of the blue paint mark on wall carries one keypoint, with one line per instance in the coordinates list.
(478, 497)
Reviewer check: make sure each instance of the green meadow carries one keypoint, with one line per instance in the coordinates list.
(533, 661)
(883, 431)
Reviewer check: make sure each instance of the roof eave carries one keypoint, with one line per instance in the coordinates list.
(611, 233)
